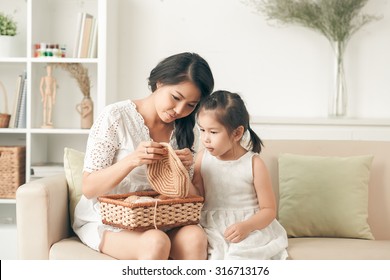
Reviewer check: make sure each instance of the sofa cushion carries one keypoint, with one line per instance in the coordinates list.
(73, 165)
(312, 248)
(73, 249)
(324, 196)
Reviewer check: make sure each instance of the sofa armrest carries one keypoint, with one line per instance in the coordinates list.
(42, 216)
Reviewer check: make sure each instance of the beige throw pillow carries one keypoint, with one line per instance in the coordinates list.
(73, 164)
(324, 196)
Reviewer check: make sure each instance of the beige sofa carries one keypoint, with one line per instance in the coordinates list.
(44, 231)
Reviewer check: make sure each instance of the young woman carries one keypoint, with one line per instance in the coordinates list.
(124, 139)
(239, 211)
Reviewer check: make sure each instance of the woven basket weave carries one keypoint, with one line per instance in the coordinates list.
(161, 214)
(12, 169)
(4, 117)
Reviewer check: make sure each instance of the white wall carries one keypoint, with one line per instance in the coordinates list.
(280, 71)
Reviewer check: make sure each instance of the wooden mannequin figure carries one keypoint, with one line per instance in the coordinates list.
(48, 88)
(85, 109)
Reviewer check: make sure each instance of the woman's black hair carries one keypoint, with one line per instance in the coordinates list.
(231, 112)
(178, 68)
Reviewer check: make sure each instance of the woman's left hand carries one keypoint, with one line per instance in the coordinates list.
(186, 157)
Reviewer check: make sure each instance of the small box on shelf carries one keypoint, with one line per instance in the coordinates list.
(12, 169)
(40, 170)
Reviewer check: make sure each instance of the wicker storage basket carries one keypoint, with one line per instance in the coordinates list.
(4, 117)
(167, 213)
(12, 169)
(4, 120)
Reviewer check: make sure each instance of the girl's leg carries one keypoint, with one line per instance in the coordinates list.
(188, 243)
(132, 245)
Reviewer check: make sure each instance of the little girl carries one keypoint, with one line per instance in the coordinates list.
(239, 214)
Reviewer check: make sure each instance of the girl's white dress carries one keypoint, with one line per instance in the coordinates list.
(230, 197)
(116, 133)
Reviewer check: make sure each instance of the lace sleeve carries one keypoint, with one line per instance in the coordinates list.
(102, 141)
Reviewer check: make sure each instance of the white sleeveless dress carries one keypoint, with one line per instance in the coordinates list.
(230, 197)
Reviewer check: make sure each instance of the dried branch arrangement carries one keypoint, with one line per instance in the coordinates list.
(78, 72)
(337, 20)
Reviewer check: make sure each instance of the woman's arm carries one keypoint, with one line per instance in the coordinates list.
(102, 181)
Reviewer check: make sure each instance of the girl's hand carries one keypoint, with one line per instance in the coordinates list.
(186, 157)
(237, 232)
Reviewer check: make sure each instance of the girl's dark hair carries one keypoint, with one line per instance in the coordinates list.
(231, 112)
(178, 68)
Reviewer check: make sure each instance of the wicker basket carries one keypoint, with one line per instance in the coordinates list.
(12, 169)
(161, 214)
(4, 117)
(4, 120)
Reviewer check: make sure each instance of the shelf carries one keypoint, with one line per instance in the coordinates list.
(13, 130)
(54, 22)
(371, 122)
(47, 60)
(13, 59)
(59, 131)
(63, 60)
(7, 201)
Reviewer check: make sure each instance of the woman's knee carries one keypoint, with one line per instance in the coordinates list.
(155, 245)
(189, 242)
(196, 237)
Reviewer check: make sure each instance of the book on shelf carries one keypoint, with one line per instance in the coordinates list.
(93, 42)
(23, 107)
(77, 34)
(40, 170)
(16, 101)
(19, 102)
(85, 29)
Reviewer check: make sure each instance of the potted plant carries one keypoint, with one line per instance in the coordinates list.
(337, 20)
(8, 30)
(8, 26)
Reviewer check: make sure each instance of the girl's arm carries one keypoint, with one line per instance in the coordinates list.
(267, 203)
(197, 180)
(265, 195)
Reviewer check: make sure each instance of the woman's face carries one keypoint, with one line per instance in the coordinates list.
(176, 101)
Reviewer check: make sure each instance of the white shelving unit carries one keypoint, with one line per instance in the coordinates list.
(53, 22)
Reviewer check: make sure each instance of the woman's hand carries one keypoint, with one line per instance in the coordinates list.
(147, 152)
(186, 157)
(104, 180)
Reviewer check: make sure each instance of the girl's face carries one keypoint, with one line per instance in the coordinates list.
(214, 136)
(176, 101)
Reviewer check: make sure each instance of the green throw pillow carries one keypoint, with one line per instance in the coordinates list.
(324, 196)
(73, 164)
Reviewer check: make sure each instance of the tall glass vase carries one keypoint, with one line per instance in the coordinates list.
(338, 98)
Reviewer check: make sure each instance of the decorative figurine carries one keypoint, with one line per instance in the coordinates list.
(48, 93)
